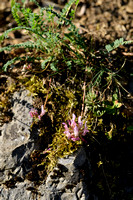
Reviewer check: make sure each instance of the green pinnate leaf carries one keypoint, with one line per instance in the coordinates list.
(116, 44)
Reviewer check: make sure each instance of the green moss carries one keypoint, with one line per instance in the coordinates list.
(5, 104)
(35, 85)
(60, 147)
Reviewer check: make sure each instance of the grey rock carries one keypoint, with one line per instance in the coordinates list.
(16, 141)
(69, 196)
(62, 184)
(81, 191)
(17, 193)
(74, 161)
(65, 179)
(80, 158)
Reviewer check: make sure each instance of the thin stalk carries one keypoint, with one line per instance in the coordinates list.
(47, 94)
(110, 192)
(84, 91)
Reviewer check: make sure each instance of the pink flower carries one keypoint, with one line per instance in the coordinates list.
(34, 113)
(75, 131)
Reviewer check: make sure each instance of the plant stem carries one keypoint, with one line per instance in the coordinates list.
(47, 94)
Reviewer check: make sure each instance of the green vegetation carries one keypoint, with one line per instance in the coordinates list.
(67, 76)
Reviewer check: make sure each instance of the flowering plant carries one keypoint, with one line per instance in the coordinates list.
(75, 131)
(34, 113)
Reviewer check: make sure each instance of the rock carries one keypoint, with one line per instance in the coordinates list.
(17, 193)
(63, 183)
(69, 196)
(66, 179)
(16, 140)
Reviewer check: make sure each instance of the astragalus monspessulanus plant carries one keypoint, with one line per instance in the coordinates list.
(47, 36)
(75, 131)
(79, 80)
(55, 47)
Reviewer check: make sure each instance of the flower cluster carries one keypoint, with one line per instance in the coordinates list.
(34, 113)
(75, 131)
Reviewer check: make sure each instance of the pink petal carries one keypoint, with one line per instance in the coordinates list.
(67, 134)
(73, 119)
(65, 126)
(39, 117)
(76, 131)
(85, 130)
(42, 111)
(80, 123)
(31, 114)
(75, 138)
